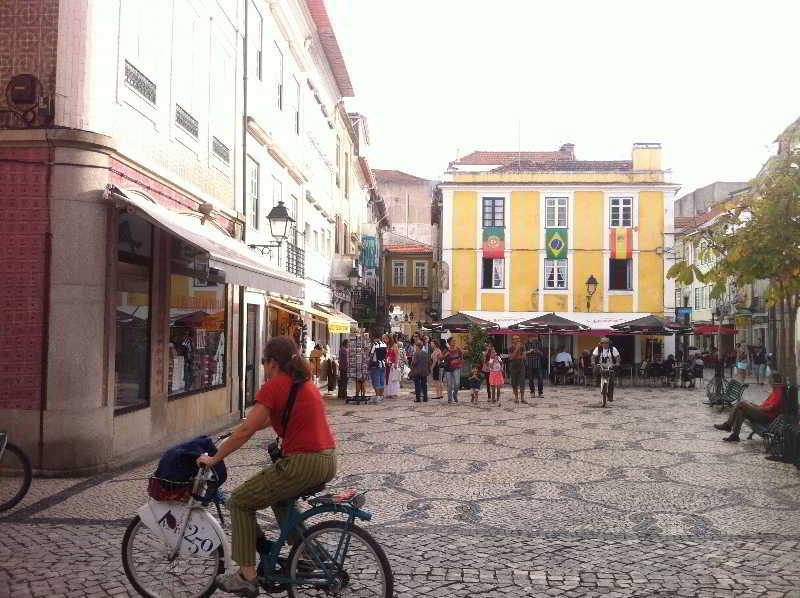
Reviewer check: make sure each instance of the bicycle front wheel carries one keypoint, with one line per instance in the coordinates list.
(361, 568)
(16, 474)
(145, 558)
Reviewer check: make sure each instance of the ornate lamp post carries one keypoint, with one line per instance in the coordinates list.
(279, 220)
(591, 287)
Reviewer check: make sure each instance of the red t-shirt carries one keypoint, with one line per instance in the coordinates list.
(309, 431)
(774, 402)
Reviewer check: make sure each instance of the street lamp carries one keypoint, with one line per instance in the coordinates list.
(591, 287)
(279, 220)
(353, 277)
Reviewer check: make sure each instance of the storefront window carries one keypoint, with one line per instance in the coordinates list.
(197, 322)
(132, 353)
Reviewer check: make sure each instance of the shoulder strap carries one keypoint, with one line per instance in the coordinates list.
(289, 404)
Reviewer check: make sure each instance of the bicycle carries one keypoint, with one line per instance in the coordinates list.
(13, 464)
(716, 387)
(177, 549)
(607, 382)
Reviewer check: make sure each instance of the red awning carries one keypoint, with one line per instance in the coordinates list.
(709, 329)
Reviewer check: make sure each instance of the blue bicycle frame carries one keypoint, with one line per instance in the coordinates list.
(293, 521)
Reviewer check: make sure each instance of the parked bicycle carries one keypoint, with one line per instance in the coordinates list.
(177, 549)
(15, 472)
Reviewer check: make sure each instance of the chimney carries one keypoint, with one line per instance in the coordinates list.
(646, 156)
(568, 148)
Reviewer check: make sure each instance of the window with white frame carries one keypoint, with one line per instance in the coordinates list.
(678, 297)
(621, 212)
(277, 191)
(142, 43)
(316, 241)
(555, 274)
(338, 161)
(398, 273)
(494, 211)
(278, 77)
(555, 209)
(620, 275)
(420, 274)
(494, 273)
(346, 175)
(258, 34)
(190, 72)
(297, 100)
(252, 191)
(223, 86)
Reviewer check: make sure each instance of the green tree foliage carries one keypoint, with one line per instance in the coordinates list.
(758, 239)
(477, 341)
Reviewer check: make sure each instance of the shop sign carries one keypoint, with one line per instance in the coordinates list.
(683, 316)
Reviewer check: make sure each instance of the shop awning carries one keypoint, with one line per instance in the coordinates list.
(338, 322)
(579, 323)
(550, 323)
(228, 255)
(709, 329)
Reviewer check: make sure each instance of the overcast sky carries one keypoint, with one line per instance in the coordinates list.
(713, 81)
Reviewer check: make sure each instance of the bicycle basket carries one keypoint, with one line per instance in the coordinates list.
(167, 490)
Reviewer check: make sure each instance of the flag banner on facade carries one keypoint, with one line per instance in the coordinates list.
(621, 243)
(556, 243)
(369, 252)
(494, 241)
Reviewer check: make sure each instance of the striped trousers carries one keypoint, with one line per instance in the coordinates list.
(269, 488)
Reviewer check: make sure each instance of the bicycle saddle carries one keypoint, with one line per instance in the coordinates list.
(305, 494)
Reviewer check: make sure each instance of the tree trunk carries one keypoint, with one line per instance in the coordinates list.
(782, 354)
(791, 371)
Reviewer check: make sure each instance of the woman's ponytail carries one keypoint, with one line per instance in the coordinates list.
(285, 353)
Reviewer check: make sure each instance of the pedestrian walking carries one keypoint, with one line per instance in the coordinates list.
(535, 367)
(420, 369)
(475, 384)
(485, 371)
(496, 379)
(742, 361)
(516, 369)
(377, 366)
(438, 370)
(760, 363)
(344, 367)
(454, 360)
(315, 359)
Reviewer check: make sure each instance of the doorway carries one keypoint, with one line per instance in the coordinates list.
(250, 371)
(625, 346)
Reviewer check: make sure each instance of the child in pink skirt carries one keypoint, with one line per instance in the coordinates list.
(496, 380)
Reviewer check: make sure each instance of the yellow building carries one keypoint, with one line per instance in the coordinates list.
(525, 231)
(409, 283)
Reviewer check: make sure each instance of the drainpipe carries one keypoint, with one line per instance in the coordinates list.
(242, 304)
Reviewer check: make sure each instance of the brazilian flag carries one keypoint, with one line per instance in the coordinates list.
(555, 240)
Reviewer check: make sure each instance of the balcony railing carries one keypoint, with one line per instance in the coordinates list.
(295, 260)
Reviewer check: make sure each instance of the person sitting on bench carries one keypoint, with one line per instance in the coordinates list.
(762, 414)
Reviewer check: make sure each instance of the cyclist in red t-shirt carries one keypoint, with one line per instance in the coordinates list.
(308, 456)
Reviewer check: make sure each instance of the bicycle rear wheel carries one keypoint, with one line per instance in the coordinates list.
(145, 560)
(362, 568)
(16, 474)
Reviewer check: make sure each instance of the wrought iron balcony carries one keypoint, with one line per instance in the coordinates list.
(138, 81)
(295, 260)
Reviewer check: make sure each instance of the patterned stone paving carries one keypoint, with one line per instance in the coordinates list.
(559, 498)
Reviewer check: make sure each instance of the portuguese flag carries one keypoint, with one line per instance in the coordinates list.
(494, 241)
(620, 240)
(555, 241)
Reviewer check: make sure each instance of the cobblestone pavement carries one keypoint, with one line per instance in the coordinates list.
(559, 498)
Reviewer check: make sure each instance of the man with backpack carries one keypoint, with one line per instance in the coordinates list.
(607, 356)
(377, 365)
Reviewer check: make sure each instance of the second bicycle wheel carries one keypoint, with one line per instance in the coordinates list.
(146, 564)
(15, 476)
(362, 571)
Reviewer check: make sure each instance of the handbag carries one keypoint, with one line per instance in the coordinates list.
(274, 447)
